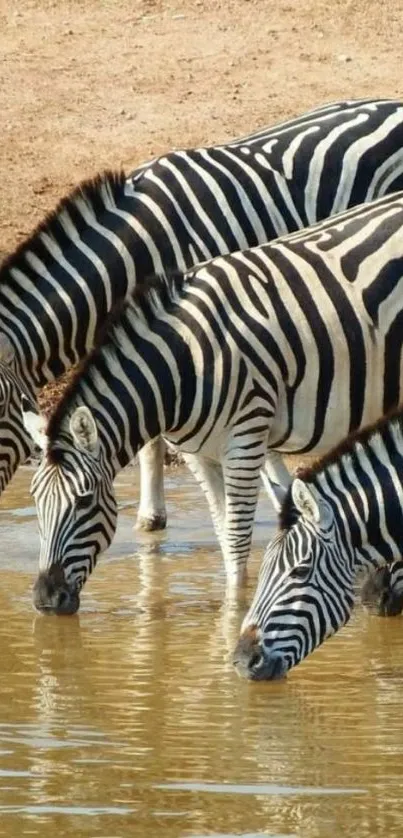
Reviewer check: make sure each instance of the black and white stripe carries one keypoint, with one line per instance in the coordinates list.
(183, 208)
(282, 348)
(346, 514)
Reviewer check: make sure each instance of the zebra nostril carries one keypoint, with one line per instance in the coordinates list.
(52, 595)
(255, 660)
(67, 602)
(62, 598)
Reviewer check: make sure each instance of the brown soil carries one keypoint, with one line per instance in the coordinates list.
(90, 84)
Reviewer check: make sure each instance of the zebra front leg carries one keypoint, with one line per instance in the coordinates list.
(152, 511)
(209, 475)
(275, 478)
(241, 473)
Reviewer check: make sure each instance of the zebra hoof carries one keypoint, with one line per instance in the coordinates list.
(151, 523)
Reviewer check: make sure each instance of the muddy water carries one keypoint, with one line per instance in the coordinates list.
(128, 719)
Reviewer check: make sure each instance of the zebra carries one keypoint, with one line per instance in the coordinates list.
(283, 348)
(343, 514)
(182, 208)
(382, 590)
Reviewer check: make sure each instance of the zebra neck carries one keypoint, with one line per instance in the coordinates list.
(136, 390)
(56, 290)
(366, 495)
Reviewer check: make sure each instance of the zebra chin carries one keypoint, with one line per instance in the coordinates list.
(52, 595)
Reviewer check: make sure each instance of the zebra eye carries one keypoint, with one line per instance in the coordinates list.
(84, 501)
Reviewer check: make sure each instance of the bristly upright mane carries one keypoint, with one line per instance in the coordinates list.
(89, 190)
(288, 514)
(148, 297)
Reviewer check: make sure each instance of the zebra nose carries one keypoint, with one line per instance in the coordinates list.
(382, 591)
(248, 657)
(391, 604)
(52, 595)
(392, 598)
(253, 663)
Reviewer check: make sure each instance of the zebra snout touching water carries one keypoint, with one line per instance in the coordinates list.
(213, 361)
(252, 663)
(53, 595)
(382, 590)
(84, 503)
(345, 515)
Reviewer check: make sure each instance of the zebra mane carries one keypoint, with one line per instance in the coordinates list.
(160, 292)
(92, 191)
(288, 514)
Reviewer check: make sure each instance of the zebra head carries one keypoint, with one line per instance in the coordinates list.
(305, 590)
(15, 443)
(76, 508)
(382, 590)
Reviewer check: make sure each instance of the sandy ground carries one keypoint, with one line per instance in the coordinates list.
(90, 84)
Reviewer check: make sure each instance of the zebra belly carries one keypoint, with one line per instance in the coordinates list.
(211, 448)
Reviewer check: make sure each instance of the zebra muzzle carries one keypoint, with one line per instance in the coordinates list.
(53, 595)
(382, 591)
(253, 663)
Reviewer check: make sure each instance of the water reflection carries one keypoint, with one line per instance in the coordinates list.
(129, 720)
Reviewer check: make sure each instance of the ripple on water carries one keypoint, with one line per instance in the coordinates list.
(129, 720)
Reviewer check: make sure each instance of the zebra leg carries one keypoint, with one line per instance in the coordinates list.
(209, 475)
(275, 478)
(152, 511)
(241, 473)
(231, 491)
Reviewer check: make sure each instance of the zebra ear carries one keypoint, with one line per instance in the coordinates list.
(84, 430)
(7, 352)
(34, 423)
(304, 501)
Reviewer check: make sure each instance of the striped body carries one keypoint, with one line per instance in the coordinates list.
(347, 513)
(187, 206)
(285, 347)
